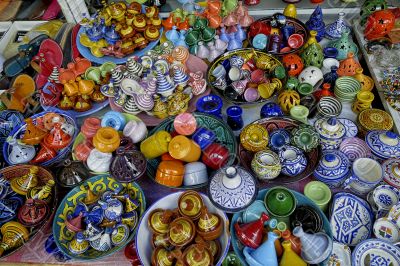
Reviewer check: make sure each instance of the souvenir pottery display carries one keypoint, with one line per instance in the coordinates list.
(195, 155)
(385, 196)
(98, 218)
(52, 144)
(206, 229)
(333, 168)
(28, 199)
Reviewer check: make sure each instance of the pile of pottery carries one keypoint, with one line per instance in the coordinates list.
(246, 75)
(186, 153)
(103, 150)
(299, 226)
(27, 199)
(188, 235)
(158, 86)
(98, 218)
(118, 30)
(75, 88)
(43, 139)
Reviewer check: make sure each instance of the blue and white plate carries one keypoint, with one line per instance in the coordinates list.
(350, 126)
(375, 252)
(341, 255)
(384, 144)
(351, 219)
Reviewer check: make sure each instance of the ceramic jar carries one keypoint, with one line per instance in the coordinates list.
(135, 130)
(155, 145)
(333, 168)
(195, 174)
(280, 203)
(204, 137)
(184, 149)
(170, 173)
(266, 165)
(98, 161)
(293, 160)
(254, 138)
(106, 140)
(215, 156)
(331, 132)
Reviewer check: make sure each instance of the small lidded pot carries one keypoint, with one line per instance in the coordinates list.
(197, 254)
(185, 149)
(181, 231)
(195, 174)
(106, 140)
(204, 137)
(333, 168)
(90, 127)
(155, 145)
(135, 130)
(254, 138)
(266, 165)
(293, 160)
(190, 204)
(215, 156)
(331, 132)
(170, 173)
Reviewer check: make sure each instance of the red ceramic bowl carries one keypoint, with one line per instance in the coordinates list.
(295, 41)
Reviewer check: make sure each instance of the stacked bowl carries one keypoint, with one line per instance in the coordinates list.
(346, 88)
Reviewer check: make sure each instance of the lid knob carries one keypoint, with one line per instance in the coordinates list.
(391, 135)
(329, 157)
(231, 172)
(332, 121)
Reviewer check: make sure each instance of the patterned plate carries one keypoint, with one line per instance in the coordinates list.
(272, 124)
(341, 255)
(391, 172)
(375, 252)
(350, 126)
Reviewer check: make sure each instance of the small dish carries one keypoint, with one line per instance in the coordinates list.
(341, 255)
(385, 196)
(386, 229)
(375, 250)
(305, 137)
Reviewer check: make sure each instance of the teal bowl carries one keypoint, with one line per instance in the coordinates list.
(301, 201)
(224, 136)
(98, 184)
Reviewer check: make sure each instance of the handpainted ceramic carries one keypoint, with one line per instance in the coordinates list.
(305, 137)
(254, 138)
(394, 214)
(350, 126)
(333, 168)
(331, 132)
(387, 230)
(312, 75)
(341, 255)
(135, 130)
(346, 88)
(385, 196)
(374, 119)
(9, 120)
(334, 30)
(228, 185)
(266, 165)
(344, 45)
(144, 248)
(264, 254)
(224, 137)
(278, 139)
(319, 193)
(391, 172)
(354, 148)
(351, 219)
(384, 144)
(329, 106)
(300, 113)
(99, 162)
(366, 174)
(195, 174)
(293, 160)
(301, 200)
(97, 185)
(375, 251)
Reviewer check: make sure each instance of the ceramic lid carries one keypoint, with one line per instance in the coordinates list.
(195, 167)
(232, 189)
(333, 165)
(391, 172)
(372, 119)
(384, 144)
(375, 249)
(280, 201)
(171, 167)
(330, 128)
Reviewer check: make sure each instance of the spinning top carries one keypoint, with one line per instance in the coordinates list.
(90, 197)
(78, 245)
(14, 235)
(33, 134)
(22, 184)
(42, 193)
(33, 212)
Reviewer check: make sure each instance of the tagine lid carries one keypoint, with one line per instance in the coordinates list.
(232, 189)
(334, 164)
(181, 231)
(384, 144)
(330, 128)
(190, 204)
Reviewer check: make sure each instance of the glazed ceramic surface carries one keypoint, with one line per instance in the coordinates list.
(374, 119)
(144, 248)
(224, 136)
(385, 196)
(272, 124)
(333, 168)
(98, 185)
(386, 229)
(351, 219)
(305, 137)
(350, 126)
(301, 200)
(354, 148)
(367, 173)
(331, 132)
(375, 252)
(293, 161)
(391, 172)
(341, 255)
(319, 193)
(384, 144)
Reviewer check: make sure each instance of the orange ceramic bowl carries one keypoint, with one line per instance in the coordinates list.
(170, 173)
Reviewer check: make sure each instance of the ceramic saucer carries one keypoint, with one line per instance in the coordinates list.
(341, 255)
(375, 252)
(391, 172)
(386, 229)
(350, 126)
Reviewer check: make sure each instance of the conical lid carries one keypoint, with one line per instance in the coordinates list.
(22, 184)
(33, 134)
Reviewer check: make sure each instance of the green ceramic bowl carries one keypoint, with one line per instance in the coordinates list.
(319, 193)
(98, 184)
(223, 133)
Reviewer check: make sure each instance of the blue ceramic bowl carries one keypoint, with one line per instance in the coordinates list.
(98, 184)
(210, 104)
(301, 200)
(18, 132)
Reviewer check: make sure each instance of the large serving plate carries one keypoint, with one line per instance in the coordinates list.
(144, 234)
(272, 124)
(98, 185)
(375, 252)
(224, 135)
(301, 201)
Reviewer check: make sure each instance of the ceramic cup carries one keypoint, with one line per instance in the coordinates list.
(219, 72)
(300, 113)
(366, 175)
(319, 193)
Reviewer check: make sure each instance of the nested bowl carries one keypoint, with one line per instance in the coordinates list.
(98, 185)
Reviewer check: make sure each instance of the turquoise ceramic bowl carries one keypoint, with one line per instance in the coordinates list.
(98, 184)
(301, 200)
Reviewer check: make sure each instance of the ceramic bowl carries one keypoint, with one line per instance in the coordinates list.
(385, 196)
(195, 174)
(301, 201)
(375, 248)
(293, 160)
(19, 131)
(391, 172)
(386, 229)
(266, 165)
(383, 144)
(11, 172)
(224, 136)
(144, 248)
(312, 75)
(305, 137)
(354, 148)
(319, 193)
(98, 184)
(346, 88)
(374, 119)
(329, 107)
(278, 138)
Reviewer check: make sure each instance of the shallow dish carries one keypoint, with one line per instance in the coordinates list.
(375, 252)
(341, 255)
(391, 172)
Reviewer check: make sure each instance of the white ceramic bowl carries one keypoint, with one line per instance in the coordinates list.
(143, 236)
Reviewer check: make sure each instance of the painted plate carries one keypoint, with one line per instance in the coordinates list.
(391, 172)
(386, 229)
(350, 126)
(351, 219)
(341, 255)
(375, 252)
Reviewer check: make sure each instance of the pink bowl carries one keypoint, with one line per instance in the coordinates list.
(295, 41)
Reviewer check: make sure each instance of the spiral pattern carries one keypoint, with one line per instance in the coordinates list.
(144, 102)
(180, 54)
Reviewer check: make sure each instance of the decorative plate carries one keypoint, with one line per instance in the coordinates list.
(301, 201)
(224, 135)
(97, 184)
(375, 119)
(351, 219)
(341, 255)
(85, 52)
(350, 126)
(375, 252)
(272, 124)
(386, 229)
(391, 172)
(355, 148)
